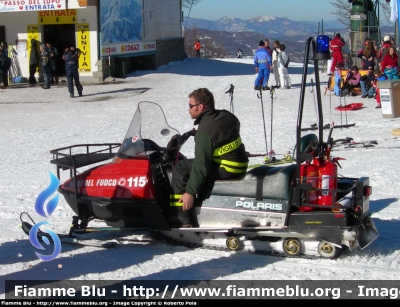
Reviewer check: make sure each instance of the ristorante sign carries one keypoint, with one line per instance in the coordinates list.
(31, 5)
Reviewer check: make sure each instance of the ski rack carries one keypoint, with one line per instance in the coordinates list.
(311, 43)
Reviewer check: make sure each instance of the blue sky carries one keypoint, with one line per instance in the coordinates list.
(298, 10)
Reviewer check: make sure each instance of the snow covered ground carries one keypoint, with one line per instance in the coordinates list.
(34, 121)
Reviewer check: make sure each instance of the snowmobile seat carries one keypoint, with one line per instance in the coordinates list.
(263, 182)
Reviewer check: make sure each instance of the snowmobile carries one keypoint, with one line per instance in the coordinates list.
(296, 209)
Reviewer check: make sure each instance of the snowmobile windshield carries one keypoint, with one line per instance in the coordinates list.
(147, 132)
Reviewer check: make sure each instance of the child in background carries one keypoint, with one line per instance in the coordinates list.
(379, 76)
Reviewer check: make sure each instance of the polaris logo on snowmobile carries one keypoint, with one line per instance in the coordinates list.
(258, 205)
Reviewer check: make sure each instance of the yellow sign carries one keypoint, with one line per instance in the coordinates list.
(83, 36)
(57, 17)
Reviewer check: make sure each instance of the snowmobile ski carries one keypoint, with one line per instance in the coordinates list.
(26, 227)
(92, 243)
(327, 126)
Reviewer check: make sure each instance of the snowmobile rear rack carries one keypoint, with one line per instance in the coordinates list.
(80, 155)
(87, 154)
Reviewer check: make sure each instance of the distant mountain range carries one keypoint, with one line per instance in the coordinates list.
(277, 27)
(234, 33)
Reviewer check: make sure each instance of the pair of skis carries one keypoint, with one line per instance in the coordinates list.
(271, 161)
(327, 126)
(350, 143)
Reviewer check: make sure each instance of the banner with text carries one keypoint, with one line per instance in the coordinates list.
(31, 5)
(127, 48)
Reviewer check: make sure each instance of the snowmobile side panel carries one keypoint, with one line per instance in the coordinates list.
(249, 204)
(130, 180)
(218, 217)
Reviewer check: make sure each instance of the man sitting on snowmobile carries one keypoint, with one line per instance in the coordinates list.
(219, 154)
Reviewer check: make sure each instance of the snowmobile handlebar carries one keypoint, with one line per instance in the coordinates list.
(175, 144)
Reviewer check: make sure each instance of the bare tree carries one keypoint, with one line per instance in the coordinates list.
(188, 3)
(343, 11)
(344, 8)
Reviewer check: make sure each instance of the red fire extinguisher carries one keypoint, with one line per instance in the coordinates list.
(327, 181)
(310, 173)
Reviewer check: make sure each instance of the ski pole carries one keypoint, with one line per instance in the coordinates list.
(330, 99)
(340, 104)
(259, 95)
(345, 109)
(272, 92)
(312, 91)
(230, 92)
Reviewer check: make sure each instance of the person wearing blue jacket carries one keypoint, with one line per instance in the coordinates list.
(71, 57)
(263, 63)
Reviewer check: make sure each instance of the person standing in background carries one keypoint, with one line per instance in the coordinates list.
(263, 63)
(197, 47)
(275, 53)
(283, 63)
(5, 64)
(336, 46)
(45, 65)
(71, 57)
(33, 62)
(384, 48)
(367, 55)
(266, 41)
(53, 62)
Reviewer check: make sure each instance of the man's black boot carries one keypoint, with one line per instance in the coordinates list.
(177, 218)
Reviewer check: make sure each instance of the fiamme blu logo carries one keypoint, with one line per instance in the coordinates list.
(45, 208)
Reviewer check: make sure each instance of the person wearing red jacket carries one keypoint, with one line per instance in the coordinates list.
(336, 46)
(197, 47)
(390, 60)
(383, 50)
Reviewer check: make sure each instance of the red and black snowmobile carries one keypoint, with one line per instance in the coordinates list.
(301, 208)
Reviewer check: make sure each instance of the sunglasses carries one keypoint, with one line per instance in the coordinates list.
(370, 68)
(193, 105)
